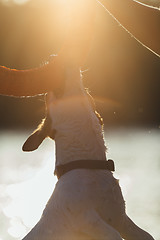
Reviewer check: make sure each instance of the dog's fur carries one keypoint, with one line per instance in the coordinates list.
(86, 204)
(45, 129)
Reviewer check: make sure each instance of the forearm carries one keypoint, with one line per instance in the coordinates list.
(31, 82)
(73, 53)
(141, 21)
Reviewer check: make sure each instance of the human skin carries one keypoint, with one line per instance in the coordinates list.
(73, 52)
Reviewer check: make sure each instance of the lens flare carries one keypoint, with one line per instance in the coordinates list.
(21, 1)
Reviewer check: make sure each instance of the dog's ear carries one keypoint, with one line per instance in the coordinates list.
(33, 141)
(37, 137)
(99, 118)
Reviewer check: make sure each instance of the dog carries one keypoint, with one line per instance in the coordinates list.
(87, 203)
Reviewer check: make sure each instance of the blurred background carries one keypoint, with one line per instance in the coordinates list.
(124, 79)
(123, 76)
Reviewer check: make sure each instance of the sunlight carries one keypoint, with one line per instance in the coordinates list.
(28, 200)
(17, 230)
(21, 204)
(21, 1)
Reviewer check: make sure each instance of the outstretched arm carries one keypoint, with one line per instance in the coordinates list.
(142, 21)
(73, 53)
(31, 82)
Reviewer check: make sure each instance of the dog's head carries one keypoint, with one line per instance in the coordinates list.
(65, 108)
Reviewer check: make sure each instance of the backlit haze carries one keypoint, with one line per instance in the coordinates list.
(124, 79)
(122, 75)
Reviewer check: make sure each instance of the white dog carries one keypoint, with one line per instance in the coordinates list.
(87, 203)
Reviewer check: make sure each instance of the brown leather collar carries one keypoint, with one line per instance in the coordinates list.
(84, 164)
